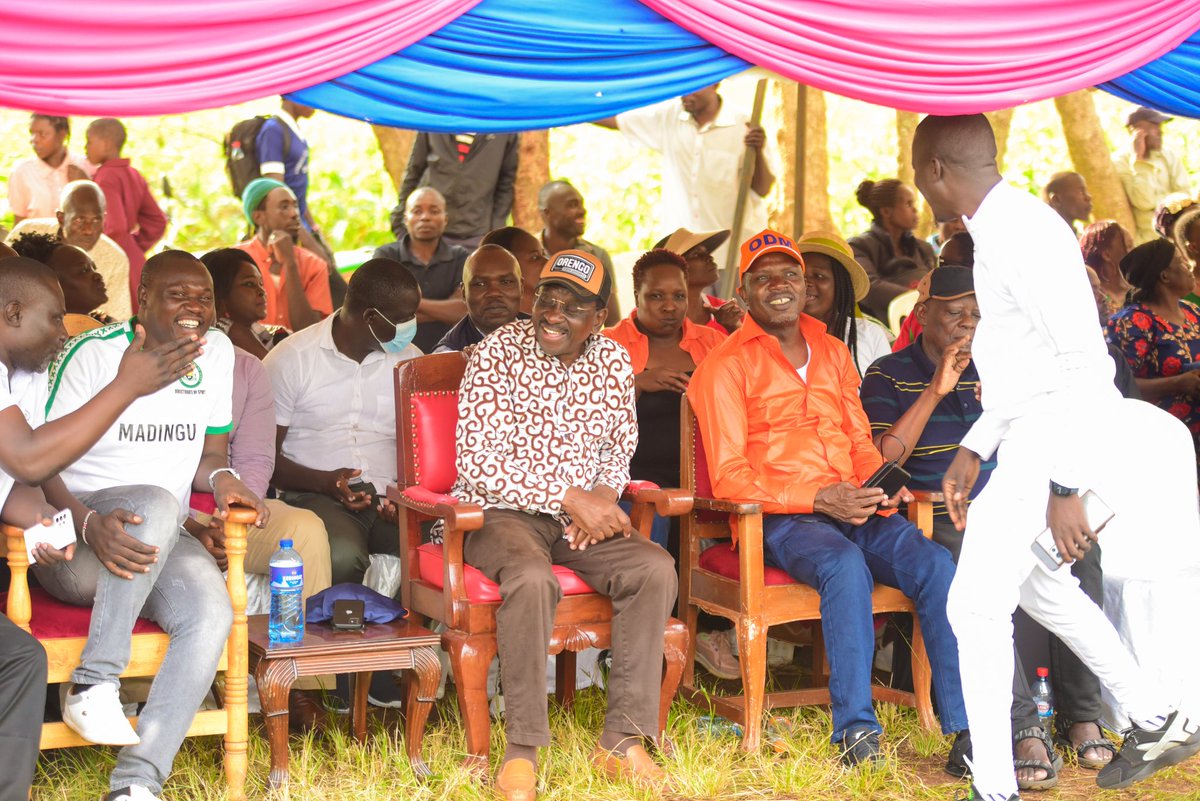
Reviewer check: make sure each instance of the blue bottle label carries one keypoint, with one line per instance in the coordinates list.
(287, 578)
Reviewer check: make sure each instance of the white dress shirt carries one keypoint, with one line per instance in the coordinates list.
(338, 412)
(1039, 349)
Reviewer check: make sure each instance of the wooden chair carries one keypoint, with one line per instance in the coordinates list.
(62, 630)
(437, 584)
(738, 586)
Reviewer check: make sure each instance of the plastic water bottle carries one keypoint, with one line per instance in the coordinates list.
(286, 623)
(1043, 696)
(717, 726)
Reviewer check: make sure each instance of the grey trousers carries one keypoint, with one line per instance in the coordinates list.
(516, 550)
(184, 593)
(22, 702)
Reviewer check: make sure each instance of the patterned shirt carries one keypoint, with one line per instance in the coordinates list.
(531, 427)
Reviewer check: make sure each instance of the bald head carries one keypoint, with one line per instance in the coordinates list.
(490, 254)
(954, 163)
(6, 252)
(22, 279)
(78, 193)
(81, 214)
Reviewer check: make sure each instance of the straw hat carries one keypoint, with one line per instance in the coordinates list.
(684, 240)
(833, 246)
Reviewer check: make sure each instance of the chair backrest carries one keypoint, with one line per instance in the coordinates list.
(900, 307)
(694, 465)
(426, 419)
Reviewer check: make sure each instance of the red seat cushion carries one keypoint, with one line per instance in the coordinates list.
(480, 588)
(53, 619)
(434, 420)
(723, 560)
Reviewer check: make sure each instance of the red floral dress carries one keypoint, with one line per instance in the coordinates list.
(1156, 348)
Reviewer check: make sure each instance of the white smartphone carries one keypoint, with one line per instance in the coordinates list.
(59, 534)
(1098, 515)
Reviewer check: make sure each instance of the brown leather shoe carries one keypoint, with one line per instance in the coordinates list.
(517, 780)
(304, 711)
(635, 765)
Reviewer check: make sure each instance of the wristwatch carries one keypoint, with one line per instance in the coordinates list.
(1061, 491)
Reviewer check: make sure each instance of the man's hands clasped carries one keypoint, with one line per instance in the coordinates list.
(595, 517)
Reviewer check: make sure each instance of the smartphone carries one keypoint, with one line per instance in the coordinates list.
(890, 478)
(59, 534)
(1098, 515)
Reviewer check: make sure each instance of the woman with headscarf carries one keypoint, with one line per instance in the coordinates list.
(833, 283)
(1176, 220)
(1159, 331)
(1104, 244)
(894, 217)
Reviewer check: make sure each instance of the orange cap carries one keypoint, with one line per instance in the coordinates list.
(764, 242)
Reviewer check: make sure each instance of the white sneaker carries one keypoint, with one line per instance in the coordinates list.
(134, 792)
(96, 715)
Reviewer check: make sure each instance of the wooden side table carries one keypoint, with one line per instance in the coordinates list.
(381, 646)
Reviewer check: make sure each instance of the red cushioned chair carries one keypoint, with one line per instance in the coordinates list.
(736, 584)
(437, 584)
(62, 630)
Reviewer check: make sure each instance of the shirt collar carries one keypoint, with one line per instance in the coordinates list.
(530, 343)
(812, 329)
(921, 358)
(440, 255)
(724, 119)
(290, 122)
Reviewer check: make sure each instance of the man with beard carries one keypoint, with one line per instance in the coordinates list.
(80, 222)
(564, 219)
(1048, 388)
(296, 279)
(129, 494)
(492, 290)
(433, 262)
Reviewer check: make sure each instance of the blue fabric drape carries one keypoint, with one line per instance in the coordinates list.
(1170, 83)
(511, 65)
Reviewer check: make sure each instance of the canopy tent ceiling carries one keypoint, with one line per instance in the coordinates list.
(500, 65)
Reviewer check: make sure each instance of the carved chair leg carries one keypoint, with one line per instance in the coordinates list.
(752, 645)
(690, 617)
(420, 694)
(470, 657)
(922, 675)
(676, 644)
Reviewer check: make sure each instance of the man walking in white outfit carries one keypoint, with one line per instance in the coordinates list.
(1047, 383)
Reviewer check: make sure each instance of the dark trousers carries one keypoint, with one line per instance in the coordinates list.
(353, 536)
(516, 550)
(843, 562)
(1076, 689)
(22, 701)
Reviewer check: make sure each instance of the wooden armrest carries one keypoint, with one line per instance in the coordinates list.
(239, 513)
(925, 496)
(668, 501)
(460, 516)
(732, 507)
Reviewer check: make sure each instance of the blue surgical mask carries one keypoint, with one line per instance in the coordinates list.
(403, 337)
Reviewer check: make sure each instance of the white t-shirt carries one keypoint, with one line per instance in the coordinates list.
(27, 391)
(159, 439)
(700, 167)
(338, 412)
(873, 342)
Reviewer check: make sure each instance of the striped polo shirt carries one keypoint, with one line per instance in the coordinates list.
(893, 384)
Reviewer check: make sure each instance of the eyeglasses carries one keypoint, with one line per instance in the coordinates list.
(574, 310)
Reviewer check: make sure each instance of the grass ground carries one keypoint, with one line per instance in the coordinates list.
(802, 765)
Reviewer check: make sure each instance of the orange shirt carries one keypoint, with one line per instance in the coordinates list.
(769, 436)
(697, 340)
(313, 273)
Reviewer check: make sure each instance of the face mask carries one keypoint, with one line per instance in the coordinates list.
(403, 337)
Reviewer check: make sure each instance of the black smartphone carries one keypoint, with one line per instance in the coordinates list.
(890, 478)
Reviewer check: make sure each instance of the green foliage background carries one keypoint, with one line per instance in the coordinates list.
(351, 193)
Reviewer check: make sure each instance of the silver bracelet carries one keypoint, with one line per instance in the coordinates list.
(83, 528)
(228, 470)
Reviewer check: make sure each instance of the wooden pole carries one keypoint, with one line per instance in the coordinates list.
(801, 176)
(745, 173)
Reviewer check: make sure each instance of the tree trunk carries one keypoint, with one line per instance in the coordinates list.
(533, 170)
(1001, 124)
(814, 165)
(1091, 157)
(906, 126)
(395, 144)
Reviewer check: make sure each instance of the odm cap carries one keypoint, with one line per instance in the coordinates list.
(835, 247)
(1143, 114)
(684, 240)
(764, 242)
(947, 283)
(580, 272)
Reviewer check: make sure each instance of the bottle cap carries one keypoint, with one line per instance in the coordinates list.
(287, 543)
(1043, 672)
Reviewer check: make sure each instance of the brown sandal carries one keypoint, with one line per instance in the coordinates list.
(1052, 767)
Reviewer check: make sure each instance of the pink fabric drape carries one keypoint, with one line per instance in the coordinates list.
(142, 57)
(942, 56)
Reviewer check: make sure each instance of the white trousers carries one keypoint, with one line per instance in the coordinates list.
(1152, 489)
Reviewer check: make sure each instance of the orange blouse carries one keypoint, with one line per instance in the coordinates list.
(697, 340)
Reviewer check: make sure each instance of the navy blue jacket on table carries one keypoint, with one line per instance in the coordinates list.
(890, 388)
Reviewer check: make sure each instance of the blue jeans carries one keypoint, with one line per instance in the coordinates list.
(843, 562)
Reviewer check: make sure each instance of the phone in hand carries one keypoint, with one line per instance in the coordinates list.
(1098, 515)
(890, 478)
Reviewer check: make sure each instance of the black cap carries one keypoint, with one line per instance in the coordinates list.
(951, 283)
(1144, 114)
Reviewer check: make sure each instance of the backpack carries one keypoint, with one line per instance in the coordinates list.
(241, 151)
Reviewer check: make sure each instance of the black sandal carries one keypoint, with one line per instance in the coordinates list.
(1062, 738)
(1052, 767)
